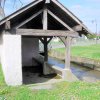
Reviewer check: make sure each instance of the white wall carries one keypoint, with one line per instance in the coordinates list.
(30, 49)
(11, 59)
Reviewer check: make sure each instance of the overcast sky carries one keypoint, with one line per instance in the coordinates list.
(86, 10)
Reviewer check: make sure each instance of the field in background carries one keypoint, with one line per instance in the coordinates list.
(75, 42)
(91, 51)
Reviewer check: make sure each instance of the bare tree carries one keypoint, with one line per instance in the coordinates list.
(2, 4)
(15, 3)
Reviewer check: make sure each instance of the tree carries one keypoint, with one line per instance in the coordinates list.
(91, 36)
(2, 4)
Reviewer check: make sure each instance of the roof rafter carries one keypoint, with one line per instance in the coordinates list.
(29, 19)
(20, 11)
(59, 20)
(67, 11)
(79, 25)
(70, 14)
(63, 40)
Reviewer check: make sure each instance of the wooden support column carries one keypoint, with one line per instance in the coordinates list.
(67, 43)
(67, 52)
(45, 27)
(45, 49)
(45, 19)
(46, 68)
(67, 73)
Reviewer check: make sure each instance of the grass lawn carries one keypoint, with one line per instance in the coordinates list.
(61, 91)
(92, 51)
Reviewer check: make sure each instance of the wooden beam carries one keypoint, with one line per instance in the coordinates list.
(41, 40)
(45, 19)
(7, 25)
(63, 39)
(77, 28)
(59, 20)
(29, 19)
(34, 32)
(22, 10)
(49, 40)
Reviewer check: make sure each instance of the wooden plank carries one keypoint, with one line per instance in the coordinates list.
(34, 32)
(63, 40)
(45, 19)
(29, 19)
(20, 11)
(7, 25)
(59, 20)
(67, 53)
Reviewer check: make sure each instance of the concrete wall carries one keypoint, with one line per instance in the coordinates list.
(11, 59)
(30, 49)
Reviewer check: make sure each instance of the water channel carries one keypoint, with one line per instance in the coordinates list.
(81, 72)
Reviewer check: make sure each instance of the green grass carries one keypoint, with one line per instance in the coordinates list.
(92, 51)
(1, 77)
(61, 91)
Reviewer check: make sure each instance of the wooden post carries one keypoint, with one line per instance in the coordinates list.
(67, 73)
(45, 19)
(67, 53)
(46, 68)
(45, 27)
(45, 49)
(67, 43)
(7, 25)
